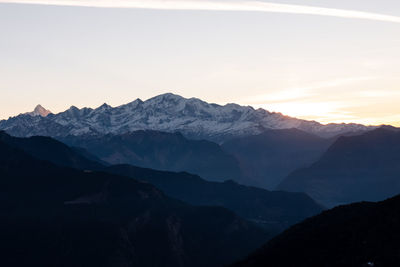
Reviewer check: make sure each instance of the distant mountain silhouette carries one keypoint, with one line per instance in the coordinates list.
(266, 159)
(274, 210)
(357, 235)
(354, 168)
(162, 151)
(57, 216)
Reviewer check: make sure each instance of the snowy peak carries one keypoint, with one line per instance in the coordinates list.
(39, 111)
(165, 101)
(166, 97)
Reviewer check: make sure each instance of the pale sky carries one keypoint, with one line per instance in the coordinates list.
(336, 64)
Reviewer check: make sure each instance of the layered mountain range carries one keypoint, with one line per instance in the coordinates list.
(169, 113)
(273, 211)
(52, 215)
(77, 199)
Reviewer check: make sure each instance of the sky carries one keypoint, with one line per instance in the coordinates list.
(324, 60)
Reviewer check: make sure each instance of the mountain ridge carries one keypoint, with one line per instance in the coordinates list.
(353, 168)
(170, 113)
(272, 210)
(161, 151)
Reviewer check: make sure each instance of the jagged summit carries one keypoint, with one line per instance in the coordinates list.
(168, 112)
(39, 111)
(104, 106)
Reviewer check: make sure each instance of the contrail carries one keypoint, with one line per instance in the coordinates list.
(218, 5)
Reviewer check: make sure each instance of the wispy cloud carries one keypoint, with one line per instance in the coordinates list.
(218, 5)
(301, 93)
(312, 102)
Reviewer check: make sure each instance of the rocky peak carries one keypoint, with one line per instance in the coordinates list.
(105, 106)
(39, 111)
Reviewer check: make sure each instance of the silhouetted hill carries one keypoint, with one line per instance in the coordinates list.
(49, 149)
(357, 235)
(354, 168)
(274, 210)
(57, 216)
(161, 151)
(266, 159)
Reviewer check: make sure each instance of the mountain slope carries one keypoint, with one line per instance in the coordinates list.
(354, 168)
(274, 210)
(48, 149)
(266, 159)
(161, 151)
(357, 235)
(169, 113)
(52, 215)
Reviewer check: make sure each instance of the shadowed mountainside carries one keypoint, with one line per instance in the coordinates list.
(51, 215)
(275, 211)
(266, 159)
(357, 235)
(162, 151)
(49, 149)
(355, 168)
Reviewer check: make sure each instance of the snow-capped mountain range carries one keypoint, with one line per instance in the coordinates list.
(170, 113)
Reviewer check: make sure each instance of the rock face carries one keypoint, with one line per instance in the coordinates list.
(57, 216)
(363, 234)
(354, 168)
(170, 113)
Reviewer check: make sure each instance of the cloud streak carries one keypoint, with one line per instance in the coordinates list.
(314, 91)
(218, 5)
